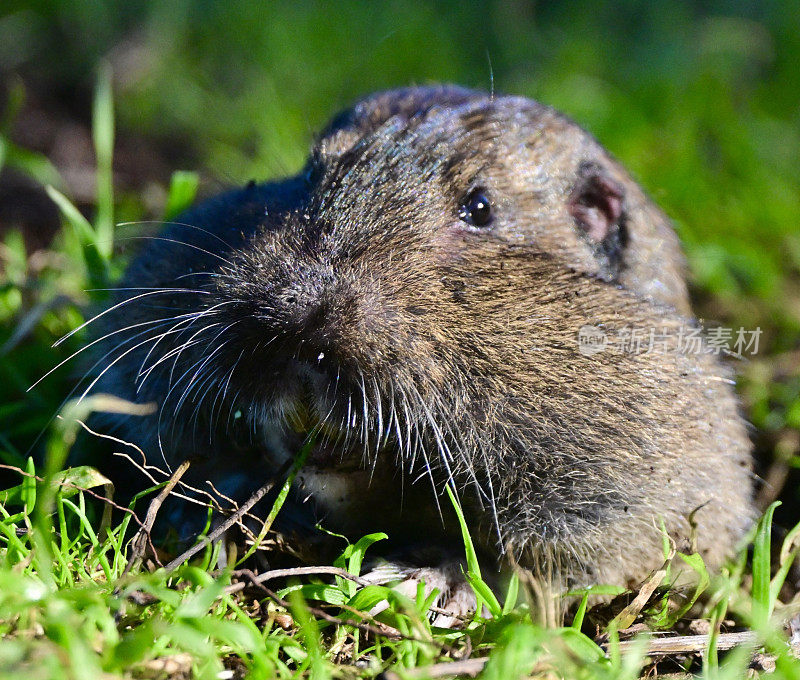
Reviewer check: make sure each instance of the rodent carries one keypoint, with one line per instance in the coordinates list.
(419, 287)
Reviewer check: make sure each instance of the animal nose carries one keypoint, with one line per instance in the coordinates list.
(310, 312)
(313, 329)
(305, 310)
(304, 302)
(307, 314)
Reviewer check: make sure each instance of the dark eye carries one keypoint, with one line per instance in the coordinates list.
(476, 209)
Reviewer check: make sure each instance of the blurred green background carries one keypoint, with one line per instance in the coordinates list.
(701, 100)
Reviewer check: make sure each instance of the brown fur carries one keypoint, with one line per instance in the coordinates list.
(437, 352)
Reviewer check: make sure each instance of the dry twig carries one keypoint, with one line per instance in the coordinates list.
(467, 667)
(690, 644)
(138, 543)
(296, 571)
(227, 524)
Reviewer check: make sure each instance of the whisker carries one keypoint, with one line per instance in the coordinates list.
(94, 342)
(206, 382)
(108, 368)
(175, 352)
(179, 243)
(87, 373)
(178, 224)
(365, 421)
(157, 291)
(380, 418)
(202, 366)
(204, 314)
(158, 288)
(191, 342)
(214, 275)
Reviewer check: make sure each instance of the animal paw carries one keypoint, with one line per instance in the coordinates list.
(455, 600)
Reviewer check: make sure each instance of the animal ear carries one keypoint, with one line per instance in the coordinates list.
(597, 202)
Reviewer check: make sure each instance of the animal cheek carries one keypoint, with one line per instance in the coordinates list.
(453, 242)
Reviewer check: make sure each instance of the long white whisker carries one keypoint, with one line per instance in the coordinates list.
(94, 342)
(142, 374)
(380, 420)
(204, 359)
(180, 243)
(108, 368)
(177, 224)
(157, 291)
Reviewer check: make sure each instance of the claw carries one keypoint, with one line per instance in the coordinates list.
(455, 595)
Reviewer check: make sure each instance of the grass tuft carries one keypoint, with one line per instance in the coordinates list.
(704, 125)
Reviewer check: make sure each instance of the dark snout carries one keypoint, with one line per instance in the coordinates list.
(301, 309)
(310, 313)
(303, 304)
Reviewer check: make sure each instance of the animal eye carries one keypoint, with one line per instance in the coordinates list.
(476, 209)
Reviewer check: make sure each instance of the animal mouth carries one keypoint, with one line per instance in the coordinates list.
(331, 446)
(327, 412)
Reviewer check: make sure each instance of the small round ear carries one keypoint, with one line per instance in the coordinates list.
(632, 240)
(597, 204)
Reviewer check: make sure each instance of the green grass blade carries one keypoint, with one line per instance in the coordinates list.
(28, 487)
(70, 481)
(352, 558)
(482, 591)
(299, 461)
(668, 618)
(762, 602)
(78, 222)
(182, 192)
(473, 566)
(34, 164)
(516, 654)
(103, 137)
(789, 549)
(577, 621)
(581, 644)
(310, 633)
(512, 594)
